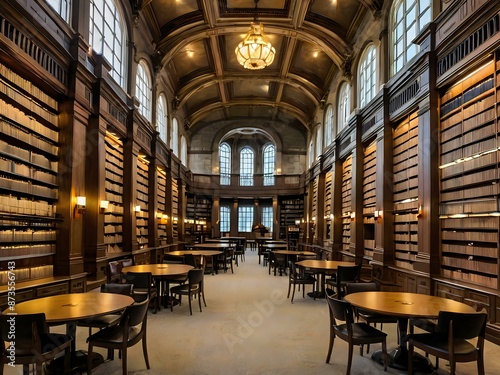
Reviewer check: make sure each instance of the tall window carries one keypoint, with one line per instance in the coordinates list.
(245, 218)
(368, 76)
(269, 154)
(225, 219)
(62, 7)
(174, 137)
(161, 117)
(267, 217)
(408, 19)
(143, 90)
(246, 166)
(184, 155)
(106, 36)
(319, 141)
(328, 126)
(344, 106)
(225, 164)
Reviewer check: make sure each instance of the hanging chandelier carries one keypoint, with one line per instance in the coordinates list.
(255, 50)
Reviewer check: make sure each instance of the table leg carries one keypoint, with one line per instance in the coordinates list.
(398, 357)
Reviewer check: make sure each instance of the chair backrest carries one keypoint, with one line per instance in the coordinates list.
(125, 289)
(27, 327)
(340, 310)
(127, 262)
(140, 280)
(135, 314)
(361, 287)
(173, 259)
(465, 325)
(348, 273)
(195, 276)
(189, 260)
(113, 271)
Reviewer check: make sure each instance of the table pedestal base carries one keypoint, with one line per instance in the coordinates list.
(317, 294)
(398, 359)
(78, 363)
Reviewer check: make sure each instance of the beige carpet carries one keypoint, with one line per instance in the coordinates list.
(250, 327)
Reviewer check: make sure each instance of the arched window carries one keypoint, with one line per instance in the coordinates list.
(368, 76)
(184, 152)
(225, 164)
(328, 125)
(246, 166)
(106, 36)
(408, 19)
(344, 106)
(269, 156)
(225, 219)
(311, 152)
(161, 117)
(143, 90)
(62, 7)
(319, 141)
(174, 137)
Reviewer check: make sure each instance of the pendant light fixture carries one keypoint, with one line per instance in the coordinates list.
(255, 50)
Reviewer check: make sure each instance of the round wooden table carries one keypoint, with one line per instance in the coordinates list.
(159, 270)
(67, 308)
(287, 254)
(322, 266)
(405, 305)
(200, 254)
(212, 245)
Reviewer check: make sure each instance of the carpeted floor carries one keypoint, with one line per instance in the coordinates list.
(250, 327)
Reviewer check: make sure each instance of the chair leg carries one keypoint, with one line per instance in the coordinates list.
(293, 293)
(89, 359)
(384, 352)
(289, 286)
(330, 345)
(410, 358)
(199, 300)
(145, 350)
(190, 310)
(480, 363)
(124, 361)
(349, 359)
(453, 366)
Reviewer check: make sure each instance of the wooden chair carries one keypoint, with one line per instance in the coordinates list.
(358, 333)
(144, 287)
(131, 330)
(107, 320)
(345, 274)
(367, 316)
(451, 340)
(114, 272)
(34, 345)
(225, 260)
(192, 288)
(297, 276)
(277, 262)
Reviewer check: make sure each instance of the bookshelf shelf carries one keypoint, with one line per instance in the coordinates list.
(291, 210)
(469, 164)
(29, 148)
(405, 192)
(113, 219)
(346, 203)
(369, 198)
(328, 208)
(142, 201)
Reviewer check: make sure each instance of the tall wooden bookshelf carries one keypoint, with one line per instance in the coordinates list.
(29, 148)
(291, 209)
(469, 165)
(175, 210)
(328, 240)
(199, 215)
(346, 202)
(405, 191)
(142, 201)
(369, 198)
(113, 218)
(314, 208)
(161, 190)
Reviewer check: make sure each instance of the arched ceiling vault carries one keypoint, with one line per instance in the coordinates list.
(195, 42)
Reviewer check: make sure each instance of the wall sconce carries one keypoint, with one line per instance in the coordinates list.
(377, 214)
(103, 206)
(81, 202)
(137, 209)
(297, 222)
(353, 215)
(420, 211)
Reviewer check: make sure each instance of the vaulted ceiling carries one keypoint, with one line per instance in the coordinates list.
(195, 42)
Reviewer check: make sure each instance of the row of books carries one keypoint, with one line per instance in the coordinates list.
(30, 235)
(12, 251)
(111, 197)
(27, 187)
(16, 205)
(14, 131)
(469, 249)
(30, 88)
